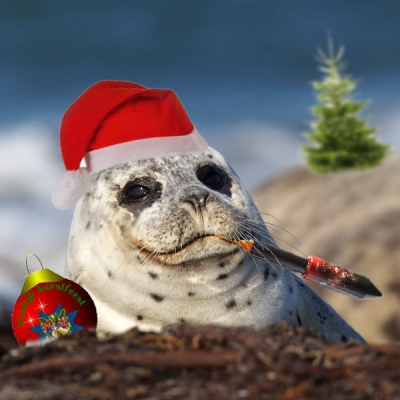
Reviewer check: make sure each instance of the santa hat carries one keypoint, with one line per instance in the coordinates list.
(113, 122)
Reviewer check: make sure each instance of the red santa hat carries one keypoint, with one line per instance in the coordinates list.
(113, 122)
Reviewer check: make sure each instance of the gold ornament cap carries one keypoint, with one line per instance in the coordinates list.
(43, 275)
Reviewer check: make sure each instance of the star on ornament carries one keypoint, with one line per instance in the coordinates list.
(59, 323)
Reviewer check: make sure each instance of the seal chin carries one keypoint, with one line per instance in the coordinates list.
(201, 248)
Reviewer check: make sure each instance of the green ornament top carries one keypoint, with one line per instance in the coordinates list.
(43, 275)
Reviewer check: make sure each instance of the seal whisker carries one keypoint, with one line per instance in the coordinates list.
(151, 256)
(141, 249)
(106, 260)
(114, 272)
(275, 228)
(252, 231)
(238, 238)
(156, 255)
(135, 246)
(265, 233)
(263, 226)
(253, 259)
(131, 245)
(269, 215)
(260, 256)
(271, 262)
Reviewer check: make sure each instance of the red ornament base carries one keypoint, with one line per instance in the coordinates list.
(51, 309)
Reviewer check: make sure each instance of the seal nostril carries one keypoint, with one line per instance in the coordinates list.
(198, 200)
(207, 195)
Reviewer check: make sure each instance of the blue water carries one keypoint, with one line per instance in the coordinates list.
(227, 60)
(241, 68)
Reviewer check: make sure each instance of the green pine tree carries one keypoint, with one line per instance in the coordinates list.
(341, 138)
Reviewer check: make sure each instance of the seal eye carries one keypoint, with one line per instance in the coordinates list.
(136, 193)
(213, 179)
(140, 191)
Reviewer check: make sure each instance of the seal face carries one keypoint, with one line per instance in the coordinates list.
(143, 244)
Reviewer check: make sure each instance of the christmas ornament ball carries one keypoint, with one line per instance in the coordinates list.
(51, 306)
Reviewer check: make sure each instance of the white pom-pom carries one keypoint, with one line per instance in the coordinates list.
(70, 188)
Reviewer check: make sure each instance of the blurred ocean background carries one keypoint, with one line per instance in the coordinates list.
(241, 68)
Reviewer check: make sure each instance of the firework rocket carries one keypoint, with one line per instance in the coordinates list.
(314, 269)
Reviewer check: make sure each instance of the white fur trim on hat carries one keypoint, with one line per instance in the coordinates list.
(74, 184)
(70, 188)
(135, 150)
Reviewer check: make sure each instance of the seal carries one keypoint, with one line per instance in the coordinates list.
(144, 243)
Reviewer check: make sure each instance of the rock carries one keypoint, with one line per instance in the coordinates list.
(350, 219)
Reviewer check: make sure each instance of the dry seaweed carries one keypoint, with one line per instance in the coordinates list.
(201, 362)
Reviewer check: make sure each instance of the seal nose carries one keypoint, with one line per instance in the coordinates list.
(197, 199)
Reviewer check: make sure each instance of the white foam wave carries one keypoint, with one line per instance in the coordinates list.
(30, 166)
(29, 162)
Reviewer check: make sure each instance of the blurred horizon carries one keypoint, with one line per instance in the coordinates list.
(240, 50)
(242, 69)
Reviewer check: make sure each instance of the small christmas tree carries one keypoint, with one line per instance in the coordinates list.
(342, 139)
